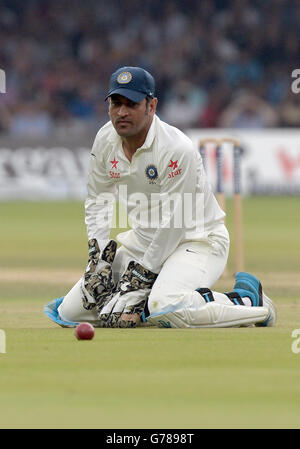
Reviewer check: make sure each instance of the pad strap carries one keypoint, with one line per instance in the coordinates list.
(235, 298)
(206, 294)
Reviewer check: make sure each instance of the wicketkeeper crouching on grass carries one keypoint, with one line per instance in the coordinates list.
(178, 244)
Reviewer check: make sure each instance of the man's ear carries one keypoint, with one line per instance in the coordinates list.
(153, 105)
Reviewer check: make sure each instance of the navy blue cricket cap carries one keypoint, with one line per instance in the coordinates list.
(133, 83)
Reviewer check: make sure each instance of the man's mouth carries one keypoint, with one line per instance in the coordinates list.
(123, 122)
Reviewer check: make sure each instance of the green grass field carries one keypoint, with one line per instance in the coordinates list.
(146, 377)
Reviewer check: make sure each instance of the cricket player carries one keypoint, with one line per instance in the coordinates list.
(166, 264)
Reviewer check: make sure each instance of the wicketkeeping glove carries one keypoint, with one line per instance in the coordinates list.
(97, 284)
(127, 304)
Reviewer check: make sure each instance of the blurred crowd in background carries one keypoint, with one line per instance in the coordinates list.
(217, 63)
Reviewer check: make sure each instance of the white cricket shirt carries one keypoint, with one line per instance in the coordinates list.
(163, 190)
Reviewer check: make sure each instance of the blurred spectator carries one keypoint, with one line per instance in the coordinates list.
(216, 101)
(83, 105)
(183, 106)
(243, 68)
(4, 119)
(58, 57)
(30, 120)
(248, 111)
(290, 111)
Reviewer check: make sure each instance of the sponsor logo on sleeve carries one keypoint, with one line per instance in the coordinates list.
(175, 169)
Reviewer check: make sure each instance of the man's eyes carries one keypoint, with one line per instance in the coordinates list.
(117, 104)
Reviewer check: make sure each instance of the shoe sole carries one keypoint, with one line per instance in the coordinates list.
(272, 318)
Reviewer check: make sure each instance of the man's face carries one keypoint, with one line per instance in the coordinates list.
(129, 118)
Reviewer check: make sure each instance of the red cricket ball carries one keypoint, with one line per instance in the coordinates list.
(84, 331)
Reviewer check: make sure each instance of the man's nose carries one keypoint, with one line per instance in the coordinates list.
(123, 111)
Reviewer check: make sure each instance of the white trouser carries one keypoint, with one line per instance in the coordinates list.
(192, 265)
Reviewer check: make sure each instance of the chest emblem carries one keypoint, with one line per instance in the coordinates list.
(151, 173)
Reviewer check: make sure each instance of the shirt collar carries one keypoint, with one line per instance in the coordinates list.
(150, 136)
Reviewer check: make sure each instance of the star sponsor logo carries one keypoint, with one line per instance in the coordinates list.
(173, 164)
(175, 169)
(114, 174)
(114, 163)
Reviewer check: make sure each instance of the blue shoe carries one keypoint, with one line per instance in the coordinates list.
(51, 310)
(248, 285)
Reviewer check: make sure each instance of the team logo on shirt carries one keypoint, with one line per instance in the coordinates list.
(124, 78)
(151, 173)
